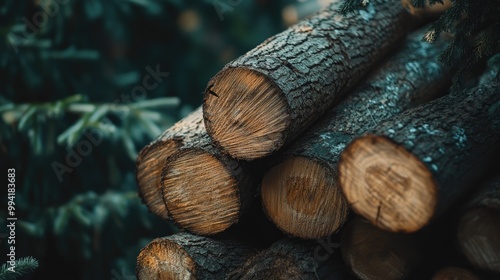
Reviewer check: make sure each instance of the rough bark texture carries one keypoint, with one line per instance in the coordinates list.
(478, 231)
(152, 157)
(290, 259)
(312, 65)
(204, 190)
(450, 141)
(187, 256)
(411, 77)
(373, 254)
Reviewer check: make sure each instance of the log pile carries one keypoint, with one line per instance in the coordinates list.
(337, 113)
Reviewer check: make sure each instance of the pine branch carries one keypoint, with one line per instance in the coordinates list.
(23, 266)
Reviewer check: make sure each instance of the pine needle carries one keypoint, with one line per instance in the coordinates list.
(23, 266)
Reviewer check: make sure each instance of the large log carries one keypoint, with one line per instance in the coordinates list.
(204, 190)
(479, 228)
(411, 168)
(265, 98)
(183, 177)
(301, 194)
(186, 256)
(151, 159)
(372, 253)
(290, 259)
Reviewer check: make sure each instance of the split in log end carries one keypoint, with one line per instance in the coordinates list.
(245, 113)
(303, 199)
(165, 260)
(148, 175)
(200, 193)
(478, 237)
(387, 185)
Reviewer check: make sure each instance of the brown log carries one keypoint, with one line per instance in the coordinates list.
(372, 253)
(186, 256)
(265, 98)
(204, 190)
(301, 194)
(411, 168)
(183, 177)
(479, 228)
(152, 157)
(428, 10)
(291, 259)
(454, 273)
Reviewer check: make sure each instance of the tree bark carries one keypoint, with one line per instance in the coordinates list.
(152, 157)
(186, 256)
(301, 194)
(290, 259)
(414, 166)
(265, 98)
(374, 254)
(479, 228)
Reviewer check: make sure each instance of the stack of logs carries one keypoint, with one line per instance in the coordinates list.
(336, 113)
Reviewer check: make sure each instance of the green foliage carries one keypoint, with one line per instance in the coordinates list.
(475, 27)
(23, 266)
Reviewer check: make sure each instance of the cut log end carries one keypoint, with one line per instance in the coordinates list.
(372, 253)
(165, 260)
(454, 273)
(245, 113)
(478, 237)
(303, 199)
(149, 167)
(200, 193)
(387, 185)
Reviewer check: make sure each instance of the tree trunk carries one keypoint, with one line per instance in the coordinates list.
(266, 97)
(301, 194)
(374, 254)
(414, 166)
(182, 176)
(452, 273)
(151, 159)
(479, 228)
(205, 191)
(186, 256)
(290, 259)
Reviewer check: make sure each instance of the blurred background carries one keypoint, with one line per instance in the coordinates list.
(84, 85)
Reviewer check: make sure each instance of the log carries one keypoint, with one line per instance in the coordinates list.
(152, 157)
(412, 168)
(291, 259)
(265, 98)
(301, 194)
(478, 231)
(454, 273)
(430, 11)
(187, 256)
(204, 190)
(372, 253)
(183, 177)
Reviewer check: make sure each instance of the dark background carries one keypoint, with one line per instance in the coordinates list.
(71, 67)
